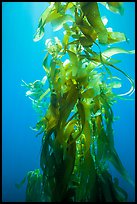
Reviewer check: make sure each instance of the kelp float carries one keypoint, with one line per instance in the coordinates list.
(76, 123)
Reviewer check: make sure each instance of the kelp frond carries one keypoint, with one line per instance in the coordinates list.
(76, 122)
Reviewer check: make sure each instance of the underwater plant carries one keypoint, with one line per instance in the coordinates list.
(75, 110)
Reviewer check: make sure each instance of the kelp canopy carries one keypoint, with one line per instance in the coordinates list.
(77, 141)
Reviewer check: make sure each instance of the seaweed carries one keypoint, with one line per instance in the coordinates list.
(76, 123)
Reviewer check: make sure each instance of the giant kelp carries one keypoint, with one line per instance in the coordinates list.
(76, 125)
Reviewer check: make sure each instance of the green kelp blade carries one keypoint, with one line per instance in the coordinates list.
(34, 187)
(108, 119)
(116, 7)
(44, 153)
(105, 56)
(116, 50)
(121, 193)
(69, 159)
(115, 160)
(106, 187)
(132, 88)
(91, 11)
(101, 59)
(115, 37)
(36, 172)
(40, 30)
(55, 14)
(67, 34)
(52, 70)
(91, 181)
(39, 33)
(102, 142)
(21, 183)
(47, 16)
(81, 113)
(87, 178)
(111, 191)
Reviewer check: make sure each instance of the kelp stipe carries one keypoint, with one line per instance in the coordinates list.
(77, 141)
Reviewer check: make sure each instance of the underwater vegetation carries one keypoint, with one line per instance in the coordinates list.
(75, 110)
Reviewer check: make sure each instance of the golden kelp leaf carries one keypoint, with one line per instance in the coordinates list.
(52, 16)
(82, 77)
(69, 128)
(87, 133)
(58, 22)
(85, 27)
(74, 62)
(132, 88)
(39, 34)
(62, 8)
(88, 31)
(81, 113)
(101, 59)
(98, 120)
(68, 101)
(44, 94)
(97, 104)
(87, 128)
(66, 38)
(91, 11)
(69, 5)
(86, 41)
(51, 118)
(42, 21)
(116, 7)
(89, 93)
(52, 70)
(45, 64)
(62, 77)
(114, 37)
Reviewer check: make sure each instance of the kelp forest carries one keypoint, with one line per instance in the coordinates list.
(75, 103)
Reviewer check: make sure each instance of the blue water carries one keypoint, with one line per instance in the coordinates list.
(22, 59)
